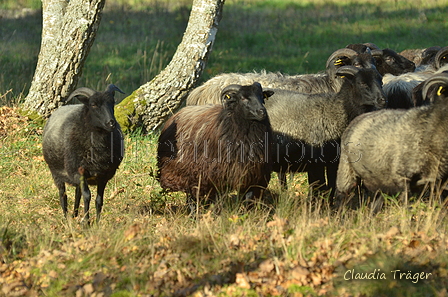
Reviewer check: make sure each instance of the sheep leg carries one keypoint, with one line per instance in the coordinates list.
(316, 177)
(346, 181)
(87, 196)
(77, 201)
(62, 197)
(332, 171)
(99, 199)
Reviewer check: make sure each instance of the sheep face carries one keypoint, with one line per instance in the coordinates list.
(370, 90)
(348, 57)
(388, 61)
(363, 60)
(247, 100)
(100, 111)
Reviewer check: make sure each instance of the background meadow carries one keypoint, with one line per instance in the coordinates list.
(146, 245)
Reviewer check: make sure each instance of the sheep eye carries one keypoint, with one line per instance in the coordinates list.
(440, 91)
(94, 105)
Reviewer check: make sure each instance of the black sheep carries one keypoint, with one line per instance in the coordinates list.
(308, 127)
(82, 145)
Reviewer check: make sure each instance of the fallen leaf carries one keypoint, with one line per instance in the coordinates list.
(241, 281)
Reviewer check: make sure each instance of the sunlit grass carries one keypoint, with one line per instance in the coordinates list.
(147, 244)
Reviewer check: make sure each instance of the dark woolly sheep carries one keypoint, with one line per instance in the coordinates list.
(399, 89)
(396, 151)
(308, 127)
(421, 57)
(210, 149)
(83, 145)
(208, 93)
(389, 61)
(386, 60)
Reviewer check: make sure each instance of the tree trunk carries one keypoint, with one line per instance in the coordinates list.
(151, 104)
(68, 31)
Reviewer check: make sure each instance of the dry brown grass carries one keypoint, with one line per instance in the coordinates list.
(147, 246)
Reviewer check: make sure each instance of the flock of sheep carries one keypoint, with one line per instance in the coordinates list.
(374, 119)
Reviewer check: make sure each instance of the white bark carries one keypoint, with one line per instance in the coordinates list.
(155, 101)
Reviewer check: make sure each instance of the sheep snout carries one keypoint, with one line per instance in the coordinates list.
(260, 114)
(111, 124)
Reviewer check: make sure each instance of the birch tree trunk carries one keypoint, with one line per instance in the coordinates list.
(151, 104)
(68, 31)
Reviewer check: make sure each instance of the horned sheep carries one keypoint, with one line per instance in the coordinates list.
(208, 93)
(400, 89)
(308, 127)
(83, 145)
(211, 149)
(387, 61)
(395, 151)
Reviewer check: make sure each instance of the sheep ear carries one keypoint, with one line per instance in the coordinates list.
(267, 94)
(227, 99)
(338, 55)
(440, 80)
(112, 88)
(441, 90)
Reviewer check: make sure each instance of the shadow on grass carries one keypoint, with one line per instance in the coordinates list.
(133, 45)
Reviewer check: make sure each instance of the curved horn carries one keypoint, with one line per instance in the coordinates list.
(343, 52)
(429, 54)
(377, 53)
(112, 88)
(441, 56)
(372, 46)
(233, 87)
(441, 78)
(344, 70)
(86, 92)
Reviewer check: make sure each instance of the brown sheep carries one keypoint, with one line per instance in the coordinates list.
(210, 149)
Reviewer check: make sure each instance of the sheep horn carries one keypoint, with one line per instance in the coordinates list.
(347, 70)
(441, 78)
(377, 53)
(86, 92)
(343, 52)
(233, 87)
(372, 46)
(441, 56)
(112, 88)
(428, 54)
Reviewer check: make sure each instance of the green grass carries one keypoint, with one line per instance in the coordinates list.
(146, 245)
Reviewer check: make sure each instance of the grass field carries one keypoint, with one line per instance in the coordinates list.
(146, 245)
